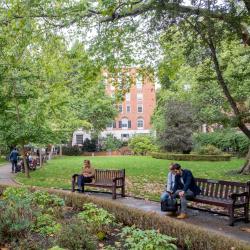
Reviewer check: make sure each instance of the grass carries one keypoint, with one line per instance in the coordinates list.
(2, 161)
(145, 176)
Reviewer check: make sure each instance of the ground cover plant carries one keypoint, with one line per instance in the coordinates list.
(27, 223)
(145, 176)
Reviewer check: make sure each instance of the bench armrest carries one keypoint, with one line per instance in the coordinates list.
(234, 196)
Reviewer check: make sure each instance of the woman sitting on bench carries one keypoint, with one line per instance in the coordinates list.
(87, 176)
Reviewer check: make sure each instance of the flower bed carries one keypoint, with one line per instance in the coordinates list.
(188, 236)
(40, 220)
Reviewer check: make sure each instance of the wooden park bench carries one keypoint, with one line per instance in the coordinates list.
(110, 179)
(227, 194)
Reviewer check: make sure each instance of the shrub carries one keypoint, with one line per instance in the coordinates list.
(149, 239)
(98, 219)
(75, 236)
(191, 157)
(111, 143)
(209, 150)
(71, 151)
(32, 241)
(142, 144)
(16, 218)
(15, 193)
(46, 200)
(46, 225)
(225, 140)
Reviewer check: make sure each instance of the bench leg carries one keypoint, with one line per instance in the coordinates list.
(73, 184)
(113, 192)
(231, 216)
(123, 191)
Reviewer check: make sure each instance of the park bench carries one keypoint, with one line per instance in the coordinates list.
(226, 194)
(108, 179)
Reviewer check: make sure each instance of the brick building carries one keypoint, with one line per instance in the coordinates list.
(137, 108)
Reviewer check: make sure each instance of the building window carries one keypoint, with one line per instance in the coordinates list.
(140, 108)
(140, 123)
(110, 125)
(128, 108)
(114, 124)
(79, 139)
(124, 123)
(129, 124)
(139, 96)
(128, 97)
(139, 82)
(120, 108)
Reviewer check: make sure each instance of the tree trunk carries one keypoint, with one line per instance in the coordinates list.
(60, 150)
(26, 168)
(246, 167)
(40, 157)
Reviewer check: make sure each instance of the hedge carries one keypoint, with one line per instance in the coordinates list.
(188, 236)
(191, 157)
(225, 140)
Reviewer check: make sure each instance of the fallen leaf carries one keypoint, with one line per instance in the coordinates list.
(246, 229)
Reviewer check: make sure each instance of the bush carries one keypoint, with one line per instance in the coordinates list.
(209, 150)
(16, 218)
(46, 225)
(75, 236)
(111, 143)
(191, 157)
(142, 144)
(71, 151)
(149, 239)
(225, 140)
(98, 219)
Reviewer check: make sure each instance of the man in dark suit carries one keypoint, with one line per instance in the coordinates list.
(185, 188)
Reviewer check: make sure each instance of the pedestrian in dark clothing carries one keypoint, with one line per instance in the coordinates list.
(13, 158)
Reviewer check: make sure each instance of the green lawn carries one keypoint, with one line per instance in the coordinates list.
(145, 176)
(2, 161)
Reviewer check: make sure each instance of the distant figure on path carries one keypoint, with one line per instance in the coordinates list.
(13, 158)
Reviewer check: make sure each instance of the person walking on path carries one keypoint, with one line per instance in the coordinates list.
(13, 158)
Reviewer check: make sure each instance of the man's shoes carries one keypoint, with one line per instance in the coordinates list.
(182, 216)
(171, 213)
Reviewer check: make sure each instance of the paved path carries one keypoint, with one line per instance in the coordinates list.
(212, 222)
(6, 177)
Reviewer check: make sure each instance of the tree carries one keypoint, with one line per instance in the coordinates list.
(208, 22)
(179, 123)
(43, 83)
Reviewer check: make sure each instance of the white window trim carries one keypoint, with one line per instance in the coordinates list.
(142, 123)
(140, 105)
(141, 95)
